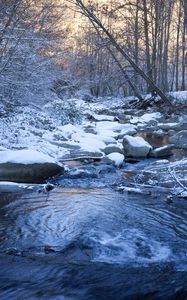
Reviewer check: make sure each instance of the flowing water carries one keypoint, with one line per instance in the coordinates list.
(92, 243)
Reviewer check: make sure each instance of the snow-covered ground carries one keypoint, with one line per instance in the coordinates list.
(58, 128)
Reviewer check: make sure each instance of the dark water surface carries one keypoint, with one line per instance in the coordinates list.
(95, 244)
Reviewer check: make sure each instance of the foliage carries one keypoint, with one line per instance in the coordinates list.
(66, 111)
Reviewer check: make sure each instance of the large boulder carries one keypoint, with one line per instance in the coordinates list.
(136, 147)
(179, 139)
(27, 166)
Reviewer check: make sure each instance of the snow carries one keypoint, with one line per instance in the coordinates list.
(128, 129)
(90, 143)
(25, 157)
(146, 118)
(2, 148)
(150, 116)
(103, 117)
(180, 97)
(111, 130)
(117, 158)
(69, 129)
(112, 126)
(2, 183)
(167, 126)
(42, 131)
(106, 138)
(137, 141)
(130, 189)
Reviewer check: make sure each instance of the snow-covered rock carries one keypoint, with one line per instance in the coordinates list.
(116, 158)
(148, 118)
(169, 126)
(112, 148)
(130, 190)
(96, 117)
(136, 146)
(25, 157)
(179, 139)
(69, 129)
(128, 129)
(89, 142)
(112, 126)
(164, 151)
(27, 166)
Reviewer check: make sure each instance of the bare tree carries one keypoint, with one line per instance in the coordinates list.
(88, 13)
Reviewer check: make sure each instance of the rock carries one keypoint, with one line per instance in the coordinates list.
(164, 151)
(32, 173)
(14, 187)
(49, 187)
(88, 98)
(183, 122)
(82, 155)
(27, 166)
(169, 199)
(179, 139)
(112, 148)
(130, 190)
(166, 174)
(116, 158)
(171, 132)
(136, 146)
(97, 118)
(104, 169)
(148, 119)
(82, 173)
(128, 129)
(169, 126)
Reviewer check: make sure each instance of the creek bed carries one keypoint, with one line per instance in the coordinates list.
(92, 243)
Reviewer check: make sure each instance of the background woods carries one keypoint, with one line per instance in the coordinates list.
(48, 46)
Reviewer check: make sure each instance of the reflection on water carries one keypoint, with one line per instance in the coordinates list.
(156, 140)
(77, 243)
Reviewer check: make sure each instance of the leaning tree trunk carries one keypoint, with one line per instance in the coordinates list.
(126, 76)
(95, 20)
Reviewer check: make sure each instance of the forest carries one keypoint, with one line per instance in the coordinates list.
(54, 44)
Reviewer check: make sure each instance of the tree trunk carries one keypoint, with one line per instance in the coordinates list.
(96, 21)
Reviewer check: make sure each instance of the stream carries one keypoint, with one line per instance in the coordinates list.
(86, 241)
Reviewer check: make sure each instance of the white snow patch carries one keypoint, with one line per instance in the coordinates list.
(9, 183)
(151, 116)
(130, 189)
(69, 129)
(25, 157)
(106, 138)
(2, 148)
(89, 142)
(113, 126)
(103, 117)
(146, 118)
(128, 129)
(137, 141)
(117, 158)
